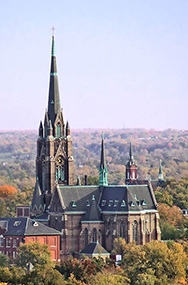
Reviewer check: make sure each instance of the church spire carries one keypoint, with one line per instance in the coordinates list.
(131, 159)
(103, 181)
(53, 99)
(131, 168)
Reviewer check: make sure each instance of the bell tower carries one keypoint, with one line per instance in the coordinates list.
(54, 162)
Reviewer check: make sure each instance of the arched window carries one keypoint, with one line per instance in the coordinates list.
(94, 239)
(122, 230)
(135, 231)
(58, 130)
(43, 177)
(86, 237)
(133, 174)
(60, 175)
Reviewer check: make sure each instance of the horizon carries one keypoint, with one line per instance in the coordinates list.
(101, 129)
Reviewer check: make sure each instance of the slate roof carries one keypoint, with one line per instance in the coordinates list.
(37, 201)
(94, 248)
(26, 227)
(125, 198)
(92, 213)
(75, 198)
(128, 198)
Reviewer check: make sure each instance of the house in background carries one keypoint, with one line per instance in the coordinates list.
(15, 231)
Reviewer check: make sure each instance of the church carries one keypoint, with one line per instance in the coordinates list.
(86, 214)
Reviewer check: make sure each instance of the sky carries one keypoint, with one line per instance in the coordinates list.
(121, 64)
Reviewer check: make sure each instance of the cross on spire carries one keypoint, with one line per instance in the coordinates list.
(53, 29)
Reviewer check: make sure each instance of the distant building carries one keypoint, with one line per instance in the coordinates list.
(86, 214)
(16, 231)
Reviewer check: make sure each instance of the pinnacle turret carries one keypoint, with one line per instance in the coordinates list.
(67, 129)
(103, 181)
(40, 129)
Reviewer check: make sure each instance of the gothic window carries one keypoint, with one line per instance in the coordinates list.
(86, 237)
(14, 242)
(133, 173)
(94, 238)
(122, 230)
(1, 241)
(58, 130)
(43, 177)
(8, 242)
(60, 173)
(135, 231)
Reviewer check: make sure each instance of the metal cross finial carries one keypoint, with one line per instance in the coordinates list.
(53, 29)
(102, 135)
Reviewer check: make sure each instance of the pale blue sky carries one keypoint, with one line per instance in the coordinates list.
(120, 63)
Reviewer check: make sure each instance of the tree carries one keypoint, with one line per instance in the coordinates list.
(34, 253)
(3, 260)
(155, 263)
(6, 191)
(113, 277)
(119, 246)
(12, 275)
(43, 275)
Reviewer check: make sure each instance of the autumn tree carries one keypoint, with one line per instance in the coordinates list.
(7, 191)
(43, 275)
(155, 262)
(34, 253)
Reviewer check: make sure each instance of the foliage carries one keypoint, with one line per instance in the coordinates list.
(174, 193)
(113, 277)
(8, 204)
(43, 274)
(81, 270)
(12, 275)
(119, 246)
(18, 153)
(3, 260)
(7, 191)
(155, 262)
(34, 253)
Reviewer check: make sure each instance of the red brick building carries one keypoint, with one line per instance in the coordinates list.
(15, 231)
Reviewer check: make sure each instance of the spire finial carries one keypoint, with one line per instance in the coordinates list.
(131, 152)
(53, 42)
(102, 135)
(53, 29)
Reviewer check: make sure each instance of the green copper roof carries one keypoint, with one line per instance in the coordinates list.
(103, 180)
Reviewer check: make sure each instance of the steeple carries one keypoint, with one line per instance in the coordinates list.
(53, 99)
(54, 162)
(131, 159)
(131, 168)
(160, 177)
(103, 181)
